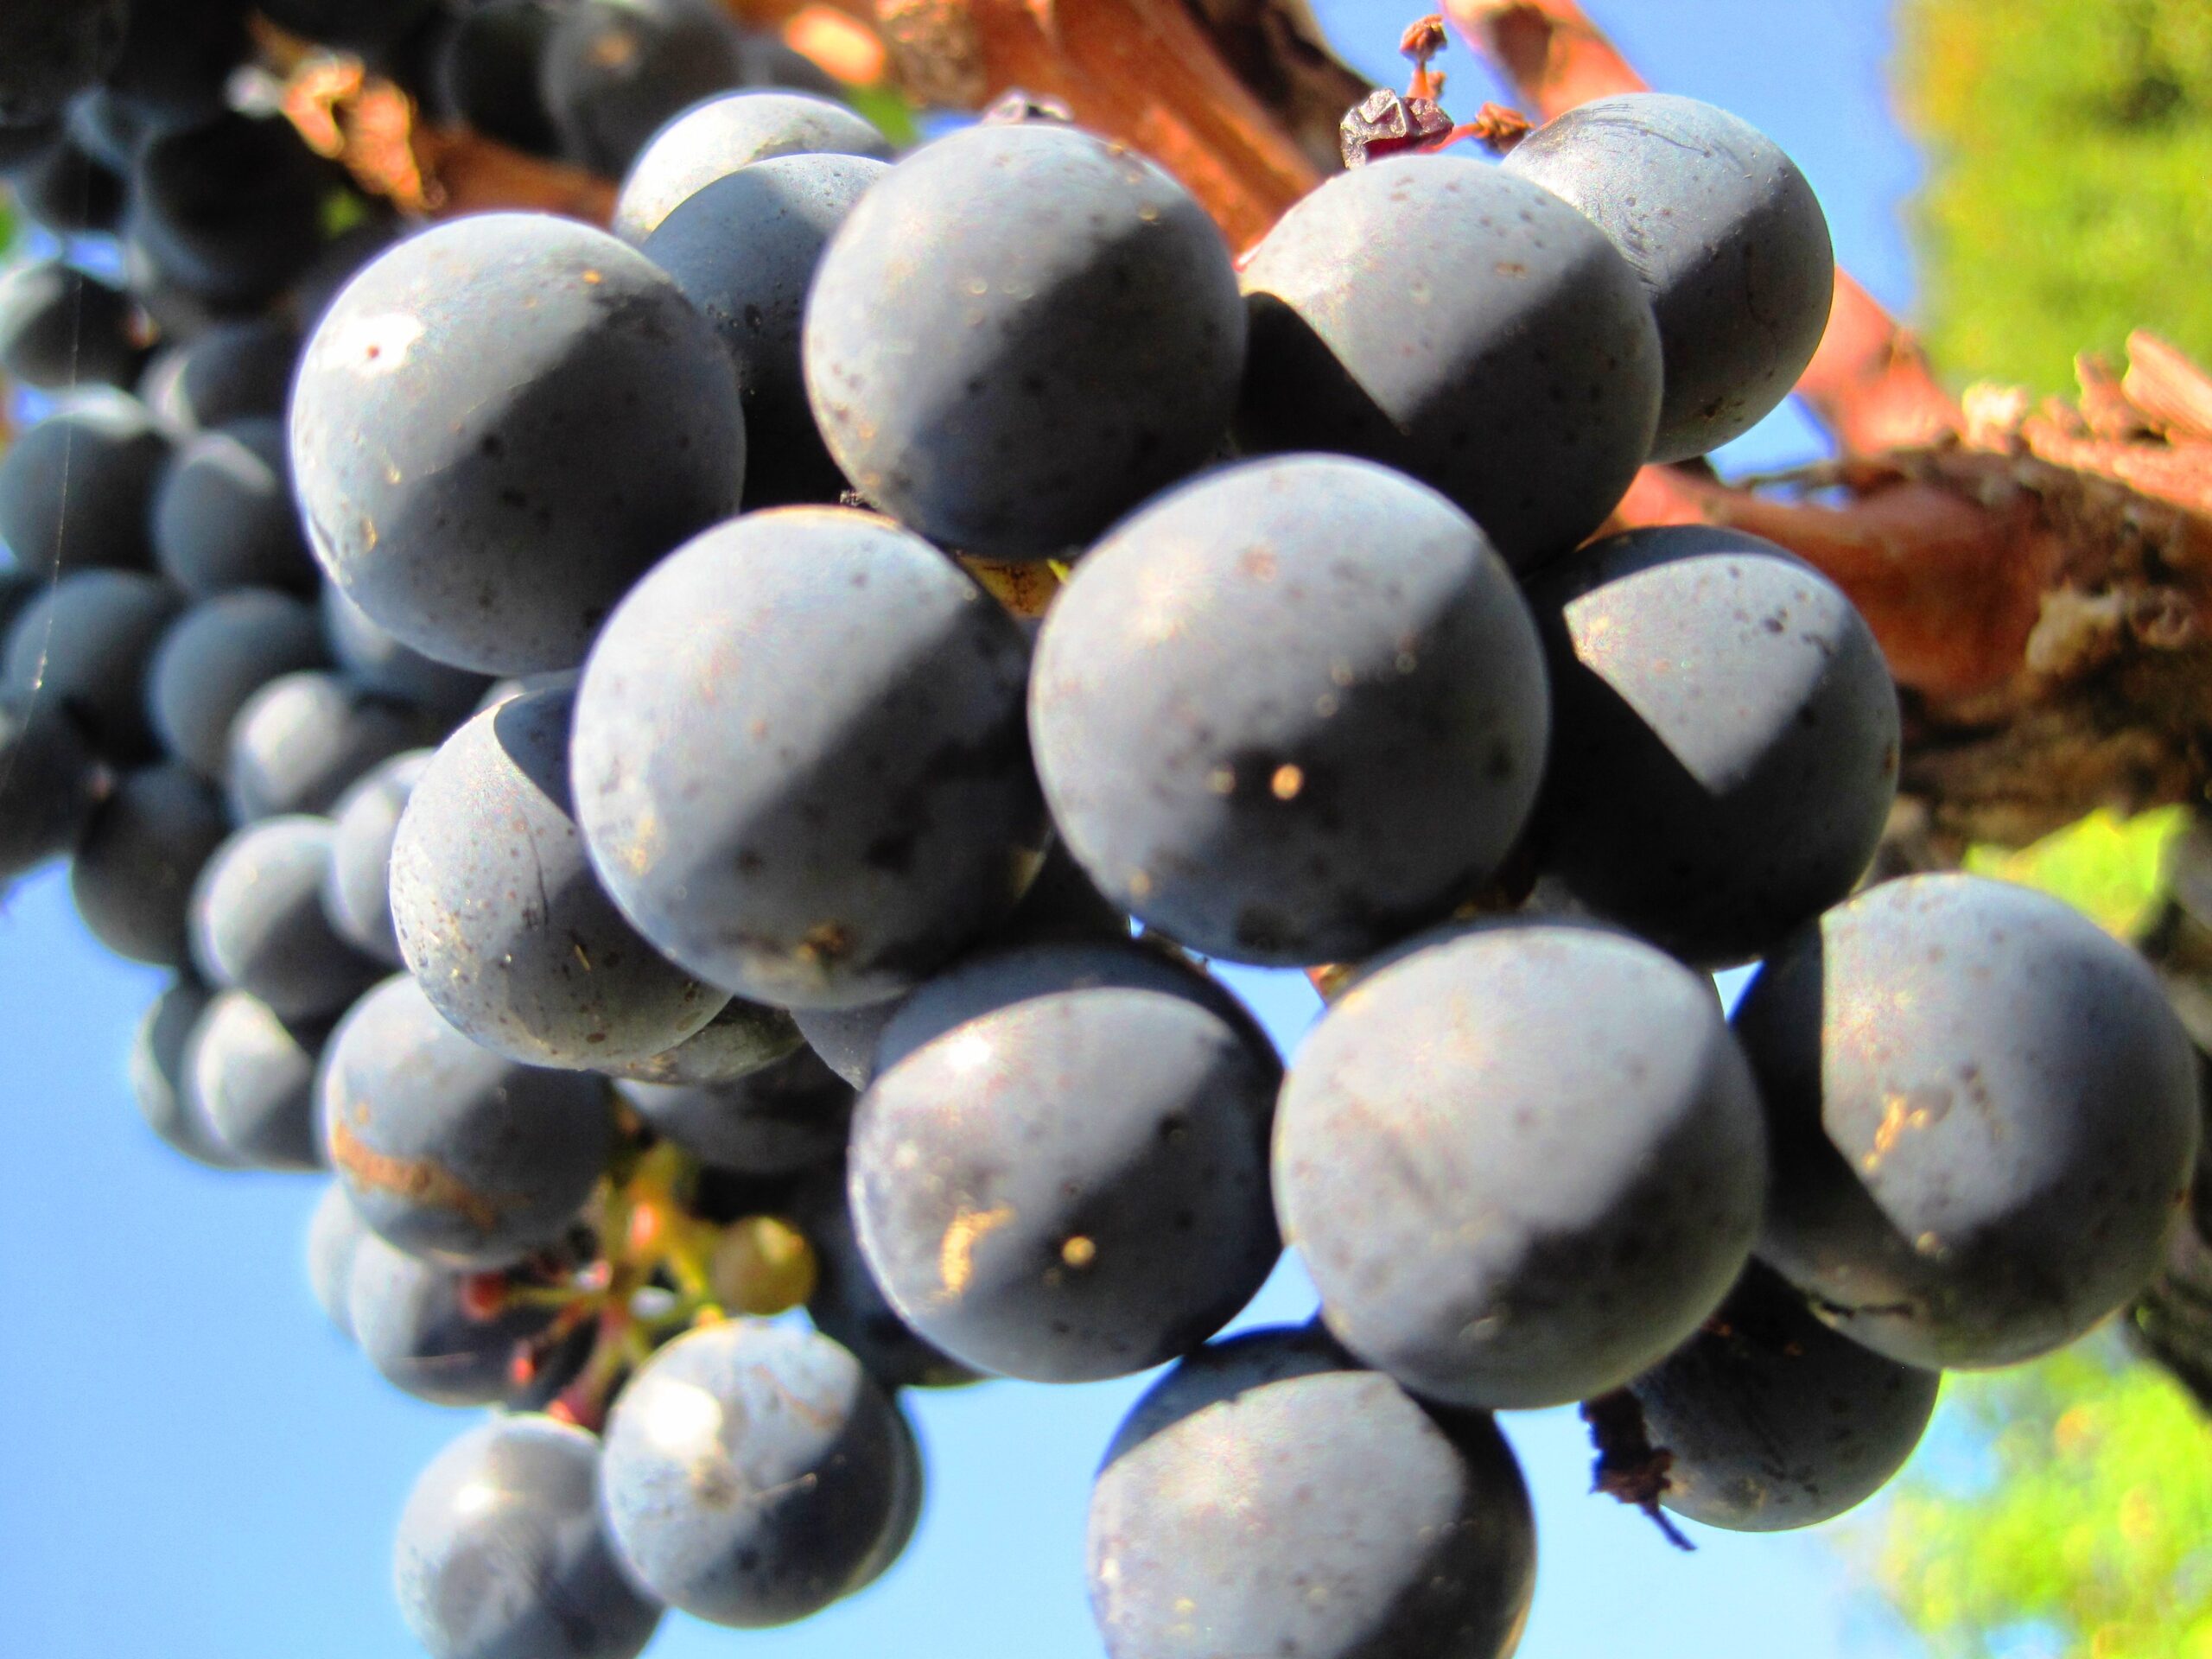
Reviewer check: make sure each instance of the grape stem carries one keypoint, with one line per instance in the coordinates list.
(1628, 1466)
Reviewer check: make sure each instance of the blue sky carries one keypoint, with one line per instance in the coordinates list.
(194, 1466)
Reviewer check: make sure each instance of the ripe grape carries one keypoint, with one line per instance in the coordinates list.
(715, 139)
(615, 72)
(1467, 326)
(1772, 1420)
(501, 1554)
(1725, 749)
(177, 60)
(1727, 236)
(235, 370)
(212, 660)
(1291, 710)
(300, 742)
(223, 516)
(778, 1120)
(740, 1040)
(231, 212)
(487, 71)
(743, 249)
(782, 1419)
(62, 327)
(257, 923)
(50, 784)
(357, 895)
(799, 760)
(52, 50)
(1522, 1162)
(84, 646)
(1984, 1117)
(448, 1150)
(498, 426)
(1085, 339)
(250, 1077)
(1268, 1498)
(500, 915)
(132, 878)
(157, 1074)
(848, 1304)
(418, 1323)
(373, 659)
(1136, 1220)
(77, 488)
(64, 190)
(335, 1231)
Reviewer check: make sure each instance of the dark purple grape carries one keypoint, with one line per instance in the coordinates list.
(157, 1074)
(84, 646)
(615, 72)
(373, 659)
(1266, 1498)
(335, 1231)
(62, 327)
(65, 189)
(782, 1419)
(250, 1077)
(786, 1117)
(1134, 1222)
(501, 1554)
(132, 878)
(1984, 1117)
(1522, 1162)
(848, 1306)
(357, 24)
(357, 896)
(1724, 748)
(51, 50)
(744, 250)
(177, 61)
(1727, 236)
(231, 212)
(301, 741)
(487, 71)
(232, 372)
(500, 915)
(223, 517)
(50, 785)
(213, 659)
(258, 924)
(1291, 711)
(1465, 325)
(799, 760)
(744, 1038)
(1771, 1420)
(418, 1325)
(77, 489)
(499, 425)
(714, 139)
(448, 1150)
(1083, 330)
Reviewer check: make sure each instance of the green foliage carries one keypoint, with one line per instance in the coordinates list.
(2109, 868)
(2084, 1515)
(2069, 195)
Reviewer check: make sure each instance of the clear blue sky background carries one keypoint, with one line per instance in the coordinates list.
(194, 1466)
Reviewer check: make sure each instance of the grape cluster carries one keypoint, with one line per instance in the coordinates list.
(800, 925)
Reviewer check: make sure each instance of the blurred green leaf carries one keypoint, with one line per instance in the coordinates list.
(2107, 866)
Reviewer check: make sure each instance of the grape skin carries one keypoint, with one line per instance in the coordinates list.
(1726, 744)
(784, 1417)
(799, 760)
(359, 23)
(234, 370)
(62, 327)
(213, 659)
(373, 659)
(500, 915)
(157, 1074)
(1136, 1221)
(1443, 317)
(849, 1306)
(302, 739)
(1983, 1116)
(83, 646)
(1726, 235)
(744, 1038)
(223, 516)
(77, 488)
(1290, 711)
(1085, 339)
(778, 1120)
(555, 415)
(1773, 1421)
(448, 1150)
(501, 1553)
(250, 1077)
(133, 875)
(1268, 1498)
(258, 924)
(231, 212)
(50, 784)
(412, 1321)
(486, 72)
(744, 250)
(714, 139)
(357, 894)
(616, 70)
(1521, 1161)
(335, 1231)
